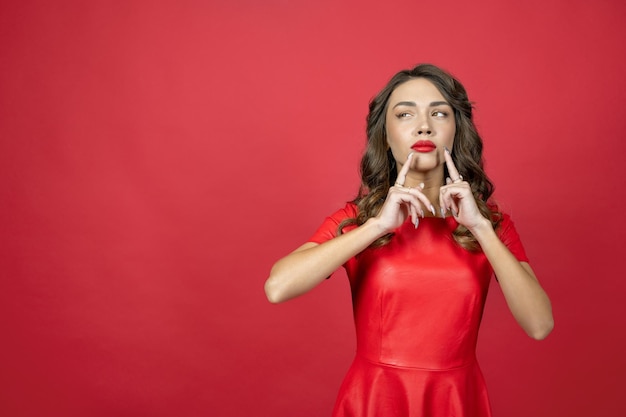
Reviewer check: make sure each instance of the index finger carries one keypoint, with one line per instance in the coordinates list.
(452, 171)
(401, 178)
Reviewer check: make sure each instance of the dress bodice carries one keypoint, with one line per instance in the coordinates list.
(419, 299)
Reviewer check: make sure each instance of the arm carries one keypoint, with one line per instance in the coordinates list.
(310, 264)
(527, 301)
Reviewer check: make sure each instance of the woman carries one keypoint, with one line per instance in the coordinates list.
(419, 244)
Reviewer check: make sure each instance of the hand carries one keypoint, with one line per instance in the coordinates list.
(457, 197)
(403, 201)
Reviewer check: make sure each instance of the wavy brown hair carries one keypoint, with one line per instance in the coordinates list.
(378, 167)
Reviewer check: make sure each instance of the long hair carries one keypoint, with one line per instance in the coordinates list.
(378, 167)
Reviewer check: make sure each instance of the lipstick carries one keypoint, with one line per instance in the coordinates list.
(424, 146)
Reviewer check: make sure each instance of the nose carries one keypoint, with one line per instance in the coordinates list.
(422, 128)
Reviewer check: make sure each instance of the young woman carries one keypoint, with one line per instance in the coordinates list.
(419, 244)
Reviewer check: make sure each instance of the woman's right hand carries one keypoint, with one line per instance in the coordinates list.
(402, 202)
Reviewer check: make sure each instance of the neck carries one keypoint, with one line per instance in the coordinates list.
(432, 181)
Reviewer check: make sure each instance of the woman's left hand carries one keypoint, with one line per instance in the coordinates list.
(457, 197)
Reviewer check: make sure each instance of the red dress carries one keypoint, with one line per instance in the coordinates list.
(418, 303)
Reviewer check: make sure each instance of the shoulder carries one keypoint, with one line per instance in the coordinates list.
(501, 219)
(349, 211)
(508, 235)
(330, 226)
(504, 221)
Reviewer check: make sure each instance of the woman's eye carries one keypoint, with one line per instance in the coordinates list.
(403, 115)
(438, 113)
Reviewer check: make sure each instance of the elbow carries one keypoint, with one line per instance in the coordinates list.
(542, 331)
(273, 293)
(278, 287)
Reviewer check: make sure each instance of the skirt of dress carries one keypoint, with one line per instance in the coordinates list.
(379, 390)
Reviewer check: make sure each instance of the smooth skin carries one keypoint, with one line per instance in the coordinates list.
(418, 193)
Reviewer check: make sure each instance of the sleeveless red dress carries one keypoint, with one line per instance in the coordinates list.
(417, 302)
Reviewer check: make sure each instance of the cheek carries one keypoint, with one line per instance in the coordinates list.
(396, 147)
(394, 135)
(389, 134)
(393, 143)
(451, 135)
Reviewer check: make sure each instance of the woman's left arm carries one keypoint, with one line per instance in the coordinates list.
(528, 302)
(525, 297)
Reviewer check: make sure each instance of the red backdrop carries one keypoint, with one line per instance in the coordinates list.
(157, 157)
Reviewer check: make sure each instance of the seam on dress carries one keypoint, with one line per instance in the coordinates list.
(390, 365)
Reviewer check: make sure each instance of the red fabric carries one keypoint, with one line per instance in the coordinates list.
(418, 302)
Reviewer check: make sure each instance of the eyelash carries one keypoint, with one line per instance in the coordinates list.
(433, 114)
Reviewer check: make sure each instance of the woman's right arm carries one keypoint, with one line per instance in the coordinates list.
(310, 264)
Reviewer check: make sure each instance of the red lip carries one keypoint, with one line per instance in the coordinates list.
(424, 146)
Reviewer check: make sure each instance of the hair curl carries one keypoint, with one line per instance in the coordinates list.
(378, 167)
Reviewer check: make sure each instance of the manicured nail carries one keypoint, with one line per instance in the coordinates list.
(409, 157)
(422, 213)
(447, 150)
(422, 185)
(432, 210)
(417, 222)
(454, 212)
(443, 212)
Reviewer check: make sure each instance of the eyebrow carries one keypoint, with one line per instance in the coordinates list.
(413, 104)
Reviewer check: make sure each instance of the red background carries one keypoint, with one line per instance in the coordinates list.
(157, 157)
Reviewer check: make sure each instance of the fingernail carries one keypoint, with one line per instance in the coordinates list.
(447, 150)
(432, 210)
(443, 212)
(409, 157)
(422, 213)
(422, 185)
(417, 222)
(454, 212)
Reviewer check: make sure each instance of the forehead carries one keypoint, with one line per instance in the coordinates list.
(418, 90)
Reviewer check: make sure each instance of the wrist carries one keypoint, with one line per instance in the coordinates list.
(377, 226)
(481, 229)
